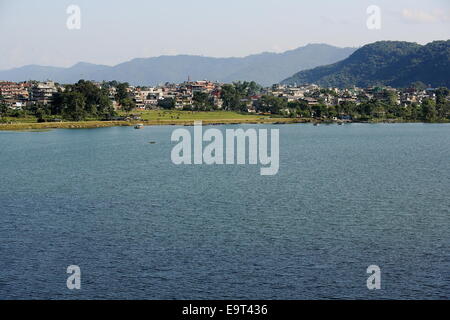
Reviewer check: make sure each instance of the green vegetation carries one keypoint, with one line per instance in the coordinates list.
(155, 117)
(179, 115)
(3, 110)
(86, 104)
(234, 95)
(374, 110)
(123, 97)
(77, 102)
(392, 63)
(167, 103)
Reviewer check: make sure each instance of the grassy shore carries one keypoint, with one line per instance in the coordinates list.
(162, 117)
(153, 117)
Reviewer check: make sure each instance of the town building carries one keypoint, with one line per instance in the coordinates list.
(42, 92)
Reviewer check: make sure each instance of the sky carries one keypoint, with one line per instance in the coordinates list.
(111, 31)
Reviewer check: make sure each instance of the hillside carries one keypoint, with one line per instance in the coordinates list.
(392, 63)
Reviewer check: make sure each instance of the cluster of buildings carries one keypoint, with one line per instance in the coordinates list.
(17, 95)
(313, 94)
(182, 94)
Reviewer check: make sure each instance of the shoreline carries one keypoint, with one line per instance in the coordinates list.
(23, 126)
(172, 122)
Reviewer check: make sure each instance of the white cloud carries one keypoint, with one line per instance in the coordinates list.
(420, 16)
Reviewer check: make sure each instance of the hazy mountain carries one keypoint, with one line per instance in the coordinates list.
(265, 68)
(392, 63)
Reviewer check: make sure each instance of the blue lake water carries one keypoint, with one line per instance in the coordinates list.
(140, 227)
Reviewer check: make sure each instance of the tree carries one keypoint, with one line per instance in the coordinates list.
(442, 102)
(201, 100)
(271, 104)
(378, 110)
(123, 98)
(73, 107)
(3, 109)
(320, 110)
(166, 103)
(230, 97)
(233, 94)
(105, 108)
(246, 89)
(347, 108)
(331, 110)
(91, 94)
(40, 113)
(428, 110)
(391, 97)
(127, 104)
(96, 101)
(121, 92)
(366, 108)
(57, 103)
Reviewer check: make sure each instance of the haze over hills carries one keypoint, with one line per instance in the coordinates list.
(393, 63)
(265, 68)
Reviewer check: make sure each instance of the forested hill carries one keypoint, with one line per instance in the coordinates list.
(393, 63)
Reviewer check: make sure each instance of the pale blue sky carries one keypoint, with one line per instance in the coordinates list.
(35, 32)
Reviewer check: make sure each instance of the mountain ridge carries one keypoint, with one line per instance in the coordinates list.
(265, 68)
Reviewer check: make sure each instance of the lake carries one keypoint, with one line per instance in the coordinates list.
(139, 227)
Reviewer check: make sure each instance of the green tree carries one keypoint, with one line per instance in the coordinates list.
(233, 94)
(442, 103)
(391, 97)
(320, 110)
(105, 109)
(123, 97)
(201, 100)
(40, 114)
(57, 103)
(230, 97)
(347, 108)
(127, 104)
(3, 110)
(366, 109)
(121, 92)
(429, 110)
(73, 107)
(96, 101)
(416, 111)
(271, 104)
(166, 103)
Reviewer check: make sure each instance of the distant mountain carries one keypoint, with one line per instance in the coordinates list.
(265, 68)
(392, 63)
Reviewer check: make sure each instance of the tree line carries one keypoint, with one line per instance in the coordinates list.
(76, 102)
(233, 96)
(84, 101)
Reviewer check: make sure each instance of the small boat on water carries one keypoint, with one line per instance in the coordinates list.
(139, 126)
(316, 123)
